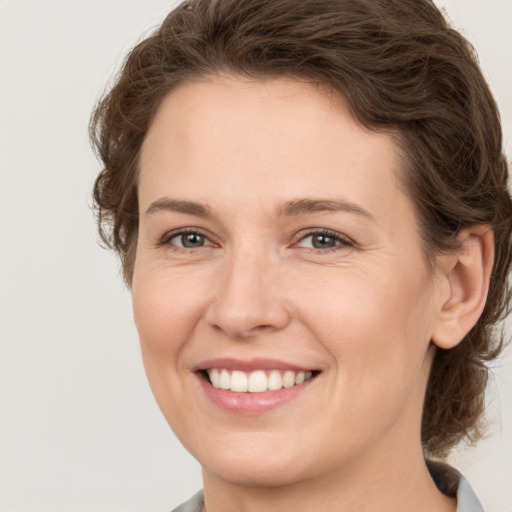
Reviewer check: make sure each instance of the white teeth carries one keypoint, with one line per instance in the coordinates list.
(288, 379)
(239, 382)
(257, 381)
(215, 378)
(275, 381)
(224, 380)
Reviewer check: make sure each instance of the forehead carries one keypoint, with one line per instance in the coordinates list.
(232, 138)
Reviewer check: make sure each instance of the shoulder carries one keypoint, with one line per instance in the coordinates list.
(194, 504)
(452, 483)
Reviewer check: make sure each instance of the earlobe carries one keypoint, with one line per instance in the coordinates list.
(466, 275)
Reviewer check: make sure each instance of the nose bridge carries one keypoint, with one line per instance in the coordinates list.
(248, 298)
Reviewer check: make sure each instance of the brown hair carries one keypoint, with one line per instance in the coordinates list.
(401, 68)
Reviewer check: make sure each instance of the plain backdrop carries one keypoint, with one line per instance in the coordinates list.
(79, 429)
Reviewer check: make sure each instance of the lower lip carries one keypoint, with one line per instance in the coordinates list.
(251, 403)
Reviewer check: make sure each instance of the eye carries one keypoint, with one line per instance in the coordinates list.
(323, 240)
(187, 240)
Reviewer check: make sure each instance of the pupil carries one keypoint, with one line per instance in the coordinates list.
(323, 241)
(192, 240)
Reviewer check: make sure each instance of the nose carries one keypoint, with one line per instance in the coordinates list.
(249, 299)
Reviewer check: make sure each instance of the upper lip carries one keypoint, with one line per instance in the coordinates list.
(249, 365)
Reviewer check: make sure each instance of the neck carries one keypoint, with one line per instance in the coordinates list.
(392, 481)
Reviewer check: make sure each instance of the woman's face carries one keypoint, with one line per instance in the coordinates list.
(275, 246)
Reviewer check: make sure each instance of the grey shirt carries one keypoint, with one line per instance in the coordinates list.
(448, 480)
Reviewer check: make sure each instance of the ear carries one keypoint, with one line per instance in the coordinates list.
(465, 277)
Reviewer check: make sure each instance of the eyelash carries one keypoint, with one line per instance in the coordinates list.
(342, 242)
(166, 239)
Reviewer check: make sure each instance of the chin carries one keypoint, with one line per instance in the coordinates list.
(250, 474)
(259, 466)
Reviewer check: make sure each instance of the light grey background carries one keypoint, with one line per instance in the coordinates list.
(79, 429)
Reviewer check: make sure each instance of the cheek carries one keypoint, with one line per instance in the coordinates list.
(166, 308)
(375, 327)
(165, 303)
(166, 311)
(378, 338)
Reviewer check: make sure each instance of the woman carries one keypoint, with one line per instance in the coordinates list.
(310, 203)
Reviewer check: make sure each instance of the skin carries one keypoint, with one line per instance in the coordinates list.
(364, 311)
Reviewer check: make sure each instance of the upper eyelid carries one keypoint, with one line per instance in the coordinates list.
(323, 231)
(169, 235)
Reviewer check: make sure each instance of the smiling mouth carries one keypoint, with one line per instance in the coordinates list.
(258, 381)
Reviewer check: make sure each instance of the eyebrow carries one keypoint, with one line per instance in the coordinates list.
(304, 206)
(289, 209)
(174, 205)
